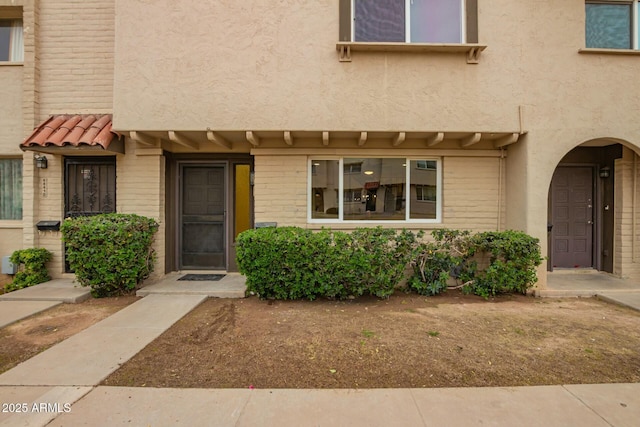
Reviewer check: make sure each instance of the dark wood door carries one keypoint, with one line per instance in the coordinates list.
(203, 217)
(572, 217)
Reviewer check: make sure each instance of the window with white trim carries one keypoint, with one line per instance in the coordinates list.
(11, 40)
(383, 189)
(612, 24)
(10, 189)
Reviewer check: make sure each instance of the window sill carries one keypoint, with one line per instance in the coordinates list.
(592, 50)
(11, 64)
(472, 50)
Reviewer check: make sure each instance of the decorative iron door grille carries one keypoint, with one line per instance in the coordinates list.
(90, 186)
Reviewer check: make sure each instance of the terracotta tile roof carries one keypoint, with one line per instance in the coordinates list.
(78, 130)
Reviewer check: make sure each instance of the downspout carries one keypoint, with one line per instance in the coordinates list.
(500, 177)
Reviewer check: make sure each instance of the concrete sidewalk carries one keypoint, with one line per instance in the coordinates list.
(61, 290)
(600, 405)
(12, 311)
(88, 357)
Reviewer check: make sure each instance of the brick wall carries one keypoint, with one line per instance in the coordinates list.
(473, 196)
(140, 189)
(280, 190)
(75, 43)
(627, 209)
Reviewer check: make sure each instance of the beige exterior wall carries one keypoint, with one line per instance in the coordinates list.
(76, 51)
(10, 111)
(140, 189)
(473, 195)
(272, 66)
(627, 216)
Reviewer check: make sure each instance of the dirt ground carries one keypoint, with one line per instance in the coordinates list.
(28, 337)
(451, 340)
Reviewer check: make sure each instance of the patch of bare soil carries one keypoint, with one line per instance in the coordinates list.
(451, 340)
(28, 337)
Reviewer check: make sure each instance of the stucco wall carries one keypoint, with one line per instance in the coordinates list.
(274, 65)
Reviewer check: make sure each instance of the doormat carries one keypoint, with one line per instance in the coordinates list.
(202, 277)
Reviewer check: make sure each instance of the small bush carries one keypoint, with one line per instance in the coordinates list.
(294, 263)
(485, 264)
(513, 258)
(111, 253)
(34, 271)
(437, 263)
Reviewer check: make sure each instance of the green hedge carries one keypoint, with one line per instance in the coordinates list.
(485, 264)
(294, 263)
(111, 253)
(34, 271)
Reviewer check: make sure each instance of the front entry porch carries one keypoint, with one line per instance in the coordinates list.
(586, 283)
(232, 285)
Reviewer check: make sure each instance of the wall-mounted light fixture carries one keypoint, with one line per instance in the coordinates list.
(604, 172)
(41, 161)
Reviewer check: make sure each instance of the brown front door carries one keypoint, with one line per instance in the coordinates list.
(202, 217)
(572, 217)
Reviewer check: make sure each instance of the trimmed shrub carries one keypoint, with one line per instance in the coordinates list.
(34, 270)
(513, 258)
(485, 264)
(111, 253)
(438, 263)
(294, 263)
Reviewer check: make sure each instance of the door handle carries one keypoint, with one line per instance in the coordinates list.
(590, 222)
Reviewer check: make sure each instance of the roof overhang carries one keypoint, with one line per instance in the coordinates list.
(244, 140)
(75, 135)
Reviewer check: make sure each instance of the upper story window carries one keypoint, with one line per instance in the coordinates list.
(611, 24)
(11, 44)
(409, 21)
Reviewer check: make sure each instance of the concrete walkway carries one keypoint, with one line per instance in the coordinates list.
(59, 387)
(12, 311)
(232, 285)
(61, 290)
(600, 405)
(90, 356)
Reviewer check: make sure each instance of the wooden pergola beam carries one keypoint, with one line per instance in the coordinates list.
(218, 140)
(182, 140)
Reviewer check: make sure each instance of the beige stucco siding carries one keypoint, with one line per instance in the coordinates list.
(76, 51)
(286, 74)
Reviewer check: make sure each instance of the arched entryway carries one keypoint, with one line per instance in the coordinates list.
(581, 208)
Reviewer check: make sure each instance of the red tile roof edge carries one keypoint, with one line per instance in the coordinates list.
(76, 130)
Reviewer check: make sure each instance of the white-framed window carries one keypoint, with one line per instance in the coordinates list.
(11, 40)
(426, 193)
(426, 164)
(10, 189)
(384, 189)
(352, 167)
(408, 21)
(611, 24)
(353, 195)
